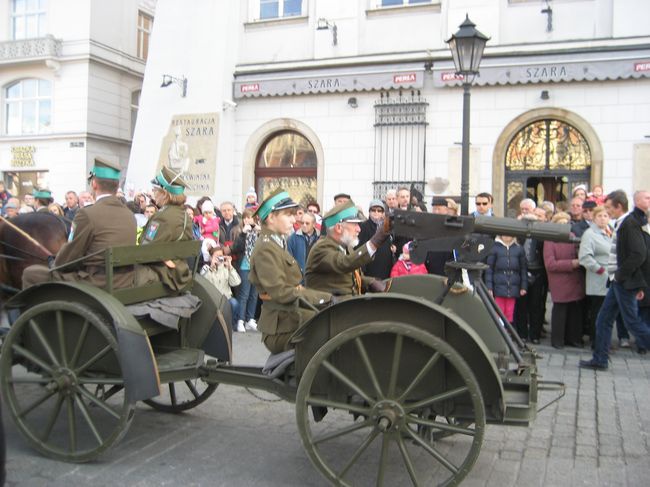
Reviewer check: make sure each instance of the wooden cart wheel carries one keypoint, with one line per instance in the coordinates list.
(177, 397)
(378, 380)
(62, 382)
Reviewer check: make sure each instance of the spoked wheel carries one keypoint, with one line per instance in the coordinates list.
(177, 397)
(61, 379)
(378, 384)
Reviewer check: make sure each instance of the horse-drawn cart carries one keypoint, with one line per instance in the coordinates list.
(386, 386)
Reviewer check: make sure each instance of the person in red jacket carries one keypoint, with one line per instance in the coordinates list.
(404, 266)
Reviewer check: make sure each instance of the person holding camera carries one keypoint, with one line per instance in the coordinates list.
(224, 277)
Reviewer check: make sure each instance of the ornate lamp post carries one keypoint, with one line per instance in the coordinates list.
(466, 47)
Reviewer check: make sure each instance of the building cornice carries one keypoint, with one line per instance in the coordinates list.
(432, 56)
(63, 136)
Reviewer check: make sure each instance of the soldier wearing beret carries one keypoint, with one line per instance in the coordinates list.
(169, 224)
(276, 275)
(107, 223)
(333, 265)
(42, 199)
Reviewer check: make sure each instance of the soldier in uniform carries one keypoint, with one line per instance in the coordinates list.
(276, 275)
(333, 265)
(42, 199)
(107, 223)
(169, 224)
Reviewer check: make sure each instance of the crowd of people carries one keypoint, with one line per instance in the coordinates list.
(592, 285)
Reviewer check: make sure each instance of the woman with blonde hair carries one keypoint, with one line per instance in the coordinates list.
(595, 246)
(55, 209)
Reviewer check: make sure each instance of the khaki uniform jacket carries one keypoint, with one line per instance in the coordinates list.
(169, 224)
(276, 273)
(107, 223)
(329, 268)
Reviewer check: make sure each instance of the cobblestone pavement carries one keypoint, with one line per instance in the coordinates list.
(598, 434)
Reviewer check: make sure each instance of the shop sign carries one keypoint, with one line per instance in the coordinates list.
(250, 88)
(450, 76)
(404, 78)
(190, 148)
(643, 66)
(23, 156)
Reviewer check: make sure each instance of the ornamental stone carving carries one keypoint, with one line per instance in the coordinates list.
(40, 47)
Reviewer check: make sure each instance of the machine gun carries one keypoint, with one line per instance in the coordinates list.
(471, 239)
(470, 236)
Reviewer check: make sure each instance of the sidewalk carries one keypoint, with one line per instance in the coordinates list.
(597, 435)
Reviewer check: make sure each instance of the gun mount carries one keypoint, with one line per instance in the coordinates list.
(470, 239)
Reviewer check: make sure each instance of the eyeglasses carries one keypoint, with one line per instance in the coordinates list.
(380, 210)
(480, 203)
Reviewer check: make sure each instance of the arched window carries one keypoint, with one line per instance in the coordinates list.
(28, 107)
(545, 160)
(287, 160)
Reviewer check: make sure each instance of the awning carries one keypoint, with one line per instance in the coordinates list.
(584, 66)
(334, 80)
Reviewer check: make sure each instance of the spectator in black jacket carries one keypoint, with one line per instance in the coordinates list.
(384, 258)
(506, 276)
(628, 284)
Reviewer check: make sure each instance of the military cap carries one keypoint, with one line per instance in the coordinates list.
(104, 169)
(439, 201)
(170, 181)
(42, 193)
(345, 212)
(277, 200)
(342, 195)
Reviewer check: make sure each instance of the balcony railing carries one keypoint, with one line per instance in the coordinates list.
(30, 49)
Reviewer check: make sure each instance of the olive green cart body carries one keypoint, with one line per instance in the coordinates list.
(387, 387)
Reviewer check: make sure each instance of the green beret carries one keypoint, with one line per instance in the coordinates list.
(277, 200)
(345, 212)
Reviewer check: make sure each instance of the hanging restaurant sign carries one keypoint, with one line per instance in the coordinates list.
(333, 80)
(587, 66)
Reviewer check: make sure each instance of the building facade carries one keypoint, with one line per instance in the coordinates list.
(323, 97)
(71, 75)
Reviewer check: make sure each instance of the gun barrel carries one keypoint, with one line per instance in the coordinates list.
(424, 226)
(524, 228)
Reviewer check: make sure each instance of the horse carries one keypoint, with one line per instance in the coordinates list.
(17, 251)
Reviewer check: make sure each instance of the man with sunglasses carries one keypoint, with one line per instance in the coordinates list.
(383, 260)
(483, 204)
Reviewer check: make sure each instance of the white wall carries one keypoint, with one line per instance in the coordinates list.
(205, 55)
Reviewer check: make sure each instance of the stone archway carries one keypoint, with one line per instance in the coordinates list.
(261, 135)
(506, 136)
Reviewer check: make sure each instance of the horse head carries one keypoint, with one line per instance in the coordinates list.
(19, 251)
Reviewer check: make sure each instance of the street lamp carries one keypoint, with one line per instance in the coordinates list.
(466, 47)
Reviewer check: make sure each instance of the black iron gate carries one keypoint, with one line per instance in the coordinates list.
(400, 141)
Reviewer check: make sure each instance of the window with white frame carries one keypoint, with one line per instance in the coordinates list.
(28, 107)
(145, 25)
(28, 18)
(274, 9)
(396, 3)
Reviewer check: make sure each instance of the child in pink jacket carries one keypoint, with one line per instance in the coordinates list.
(404, 266)
(208, 222)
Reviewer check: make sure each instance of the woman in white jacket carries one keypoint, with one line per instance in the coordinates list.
(595, 246)
(223, 276)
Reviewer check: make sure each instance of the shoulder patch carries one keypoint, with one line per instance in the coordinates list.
(151, 231)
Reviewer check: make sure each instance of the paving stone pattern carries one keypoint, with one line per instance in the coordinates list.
(597, 435)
